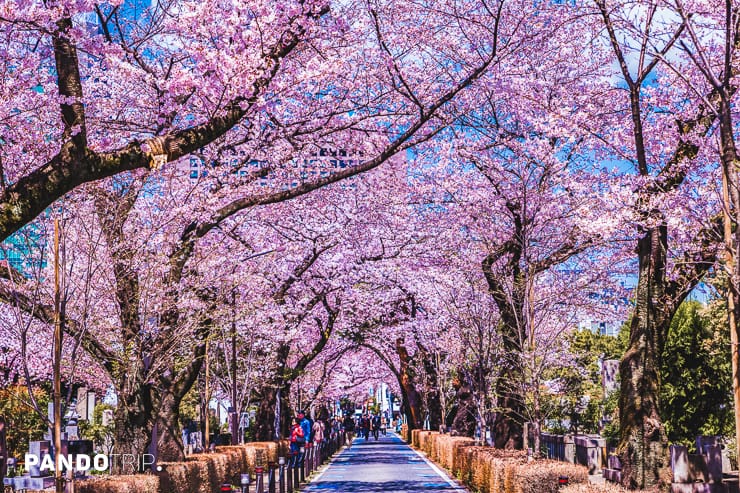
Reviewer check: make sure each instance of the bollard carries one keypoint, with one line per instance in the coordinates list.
(308, 459)
(271, 477)
(281, 474)
(259, 483)
(296, 467)
(245, 483)
(289, 477)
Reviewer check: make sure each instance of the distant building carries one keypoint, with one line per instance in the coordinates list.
(610, 375)
(321, 163)
(600, 327)
(23, 250)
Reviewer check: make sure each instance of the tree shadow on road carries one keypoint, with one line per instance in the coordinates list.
(378, 487)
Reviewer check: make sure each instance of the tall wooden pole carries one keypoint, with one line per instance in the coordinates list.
(56, 363)
(206, 440)
(234, 395)
(731, 266)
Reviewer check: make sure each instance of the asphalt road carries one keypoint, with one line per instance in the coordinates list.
(388, 466)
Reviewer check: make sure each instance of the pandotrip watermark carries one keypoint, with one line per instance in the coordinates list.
(101, 463)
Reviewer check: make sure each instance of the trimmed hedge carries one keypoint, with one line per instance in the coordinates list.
(415, 438)
(489, 470)
(200, 473)
(142, 483)
(405, 433)
(597, 488)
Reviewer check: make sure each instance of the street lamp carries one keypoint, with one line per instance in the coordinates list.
(235, 430)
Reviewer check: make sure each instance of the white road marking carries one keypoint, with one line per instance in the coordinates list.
(327, 466)
(441, 473)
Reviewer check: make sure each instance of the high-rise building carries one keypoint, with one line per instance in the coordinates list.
(23, 250)
(321, 163)
(600, 327)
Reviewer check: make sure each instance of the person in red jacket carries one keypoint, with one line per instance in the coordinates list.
(297, 439)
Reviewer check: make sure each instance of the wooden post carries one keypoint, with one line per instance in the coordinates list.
(56, 363)
(207, 438)
(732, 301)
(3, 449)
(234, 395)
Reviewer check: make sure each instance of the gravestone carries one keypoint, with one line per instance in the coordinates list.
(680, 464)
(697, 473)
(713, 459)
(108, 418)
(588, 451)
(609, 374)
(569, 449)
(702, 442)
(39, 449)
(3, 449)
(613, 470)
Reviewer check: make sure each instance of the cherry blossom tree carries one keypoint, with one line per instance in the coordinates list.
(158, 114)
(93, 90)
(675, 245)
(707, 71)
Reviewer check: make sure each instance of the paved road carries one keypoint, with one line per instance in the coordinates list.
(388, 466)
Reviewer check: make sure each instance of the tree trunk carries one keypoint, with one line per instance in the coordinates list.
(413, 408)
(133, 430)
(507, 426)
(507, 422)
(465, 417)
(265, 417)
(643, 444)
(433, 399)
(412, 398)
(535, 428)
(169, 437)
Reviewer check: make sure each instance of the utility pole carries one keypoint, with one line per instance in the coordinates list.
(56, 364)
(732, 292)
(207, 438)
(235, 417)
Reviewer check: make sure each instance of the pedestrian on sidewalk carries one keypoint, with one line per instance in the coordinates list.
(306, 425)
(364, 425)
(376, 426)
(297, 440)
(349, 430)
(317, 432)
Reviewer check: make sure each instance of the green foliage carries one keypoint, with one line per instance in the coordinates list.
(102, 436)
(583, 402)
(190, 406)
(23, 423)
(373, 407)
(696, 373)
(611, 411)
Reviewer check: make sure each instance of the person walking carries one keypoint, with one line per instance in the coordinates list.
(306, 425)
(376, 426)
(297, 440)
(349, 430)
(365, 425)
(318, 431)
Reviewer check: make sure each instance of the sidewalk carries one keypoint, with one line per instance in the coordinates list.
(388, 466)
